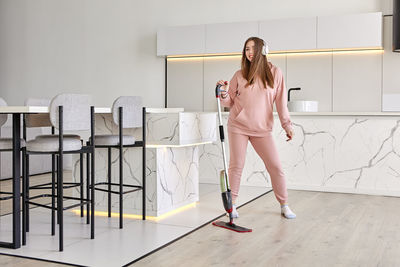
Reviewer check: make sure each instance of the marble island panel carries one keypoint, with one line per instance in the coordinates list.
(352, 153)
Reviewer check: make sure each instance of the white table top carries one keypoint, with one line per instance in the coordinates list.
(102, 110)
(24, 109)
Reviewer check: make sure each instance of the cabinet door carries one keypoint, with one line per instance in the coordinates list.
(357, 82)
(229, 37)
(289, 34)
(350, 31)
(181, 40)
(185, 84)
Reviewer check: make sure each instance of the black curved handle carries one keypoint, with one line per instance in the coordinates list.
(288, 95)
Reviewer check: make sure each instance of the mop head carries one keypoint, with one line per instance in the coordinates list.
(232, 227)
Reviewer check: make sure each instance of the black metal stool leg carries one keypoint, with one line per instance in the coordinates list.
(121, 180)
(60, 202)
(88, 187)
(144, 183)
(58, 173)
(60, 185)
(81, 180)
(121, 174)
(53, 190)
(53, 194)
(144, 163)
(61, 205)
(109, 182)
(27, 192)
(92, 200)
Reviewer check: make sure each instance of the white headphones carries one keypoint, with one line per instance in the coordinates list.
(265, 49)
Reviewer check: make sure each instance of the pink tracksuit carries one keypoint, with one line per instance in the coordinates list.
(251, 119)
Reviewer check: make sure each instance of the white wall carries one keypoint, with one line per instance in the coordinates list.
(349, 81)
(107, 48)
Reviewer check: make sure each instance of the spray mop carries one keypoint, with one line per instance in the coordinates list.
(224, 181)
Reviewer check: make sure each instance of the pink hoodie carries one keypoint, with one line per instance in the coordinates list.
(251, 108)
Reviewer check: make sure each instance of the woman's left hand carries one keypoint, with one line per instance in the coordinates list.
(289, 135)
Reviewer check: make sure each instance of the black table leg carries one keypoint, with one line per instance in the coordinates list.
(16, 183)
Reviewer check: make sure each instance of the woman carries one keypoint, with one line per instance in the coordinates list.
(252, 92)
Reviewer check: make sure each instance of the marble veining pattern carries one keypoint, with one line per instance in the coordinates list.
(178, 177)
(197, 126)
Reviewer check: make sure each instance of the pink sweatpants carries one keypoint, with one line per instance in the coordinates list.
(266, 149)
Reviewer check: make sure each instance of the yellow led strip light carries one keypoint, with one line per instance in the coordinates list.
(139, 216)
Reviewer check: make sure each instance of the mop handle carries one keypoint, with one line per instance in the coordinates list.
(221, 134)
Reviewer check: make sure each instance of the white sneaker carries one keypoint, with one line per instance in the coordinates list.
(287, 212)
(235, 214)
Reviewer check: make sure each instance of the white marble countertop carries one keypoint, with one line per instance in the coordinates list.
(148, 110)
(45, 109)
(390, 114)
(343, 113)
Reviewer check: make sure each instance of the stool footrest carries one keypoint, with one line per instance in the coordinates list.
(46, 185)
(137, 188)
(84, 202)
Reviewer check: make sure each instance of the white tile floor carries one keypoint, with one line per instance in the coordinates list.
(112, 246)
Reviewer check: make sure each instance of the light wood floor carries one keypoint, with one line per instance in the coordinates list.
(11, 261)
(330, 230)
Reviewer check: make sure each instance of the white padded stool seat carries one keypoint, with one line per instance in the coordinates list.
(49, 143)
(6, 143)
(113, 140)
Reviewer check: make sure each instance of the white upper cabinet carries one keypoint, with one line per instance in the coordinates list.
(350, 31)
(289, 34)
(229, 37)
(181, 40)
(316, 33)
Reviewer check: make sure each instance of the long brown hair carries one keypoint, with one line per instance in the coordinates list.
(258, 67)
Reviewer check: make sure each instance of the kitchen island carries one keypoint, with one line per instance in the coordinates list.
(173, 138)
(348, 152)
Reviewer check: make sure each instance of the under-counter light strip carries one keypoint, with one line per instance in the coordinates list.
(139, 216)
(377, 50)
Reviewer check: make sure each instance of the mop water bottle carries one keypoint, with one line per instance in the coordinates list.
(226, 193)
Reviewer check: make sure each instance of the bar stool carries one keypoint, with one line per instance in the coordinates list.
(39, 121)
(6, 145)
(127, 112)
(68, 112)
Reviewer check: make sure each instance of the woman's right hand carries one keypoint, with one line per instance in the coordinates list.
(224, 87)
